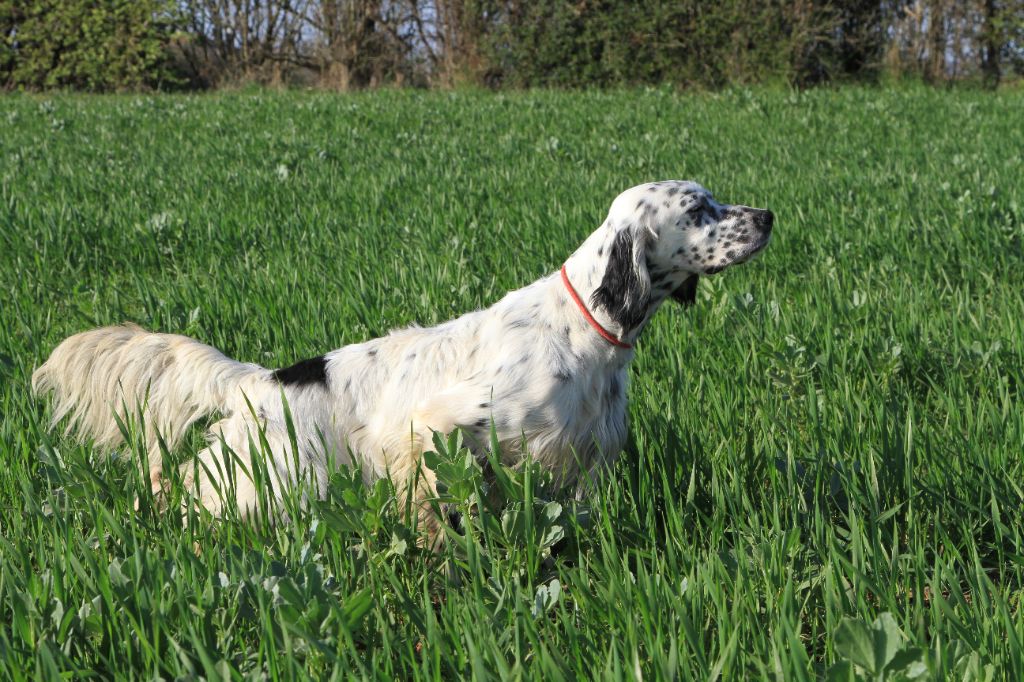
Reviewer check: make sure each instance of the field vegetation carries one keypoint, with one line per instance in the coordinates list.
(825, 472)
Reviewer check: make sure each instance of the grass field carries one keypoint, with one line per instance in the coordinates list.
(826, 467)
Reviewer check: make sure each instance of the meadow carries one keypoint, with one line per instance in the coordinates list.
(825, 472)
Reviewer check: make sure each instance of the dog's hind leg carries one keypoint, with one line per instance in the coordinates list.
(217, 481)
(252, 464)
(222, 475)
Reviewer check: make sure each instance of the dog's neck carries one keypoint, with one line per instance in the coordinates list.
(585, 269)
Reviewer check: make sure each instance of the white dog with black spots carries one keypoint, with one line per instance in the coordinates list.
(546, 366)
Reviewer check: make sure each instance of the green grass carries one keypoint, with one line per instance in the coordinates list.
(834, 432)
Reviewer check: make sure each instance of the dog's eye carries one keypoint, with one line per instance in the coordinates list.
(697, 208)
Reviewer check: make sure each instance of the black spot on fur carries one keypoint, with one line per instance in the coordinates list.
(621, 292)
(686, 293)
(454, 518)
(481, 422)
(484, 405)
(562, 376)
(304, 372)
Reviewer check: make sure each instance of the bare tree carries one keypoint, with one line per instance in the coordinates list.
(946, 40)
(248, 39)
(363, 43)
(991, 45)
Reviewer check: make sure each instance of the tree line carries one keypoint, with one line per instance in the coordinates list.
(104, 45)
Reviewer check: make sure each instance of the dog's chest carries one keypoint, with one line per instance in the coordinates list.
(568, 423)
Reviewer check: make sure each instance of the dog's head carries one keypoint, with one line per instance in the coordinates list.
(662, 236)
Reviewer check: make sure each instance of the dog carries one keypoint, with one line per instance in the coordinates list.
(545, 368)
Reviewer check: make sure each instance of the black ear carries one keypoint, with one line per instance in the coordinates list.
(686, 293)
(625, 289)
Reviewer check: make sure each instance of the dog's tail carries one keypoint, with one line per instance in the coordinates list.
(170, 380)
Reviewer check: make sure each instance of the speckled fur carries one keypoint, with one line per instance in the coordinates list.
(530, 364)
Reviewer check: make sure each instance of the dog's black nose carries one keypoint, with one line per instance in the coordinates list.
(763, 221)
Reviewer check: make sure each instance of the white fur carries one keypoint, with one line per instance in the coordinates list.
(530, 363)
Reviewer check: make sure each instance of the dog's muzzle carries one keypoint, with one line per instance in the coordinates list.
(763, 221)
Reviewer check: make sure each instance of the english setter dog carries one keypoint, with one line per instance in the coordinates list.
(546, 366)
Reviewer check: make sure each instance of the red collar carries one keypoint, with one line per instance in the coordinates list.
(605, 334)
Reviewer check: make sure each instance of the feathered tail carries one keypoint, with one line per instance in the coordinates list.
(173, 380)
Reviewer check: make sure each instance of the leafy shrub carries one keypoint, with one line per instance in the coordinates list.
(84, 44)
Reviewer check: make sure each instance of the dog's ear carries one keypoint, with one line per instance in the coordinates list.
(686, 293)
(625, 289)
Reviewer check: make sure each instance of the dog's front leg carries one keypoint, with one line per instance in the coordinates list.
(419, 483)
(403, 447)
(414, 481)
